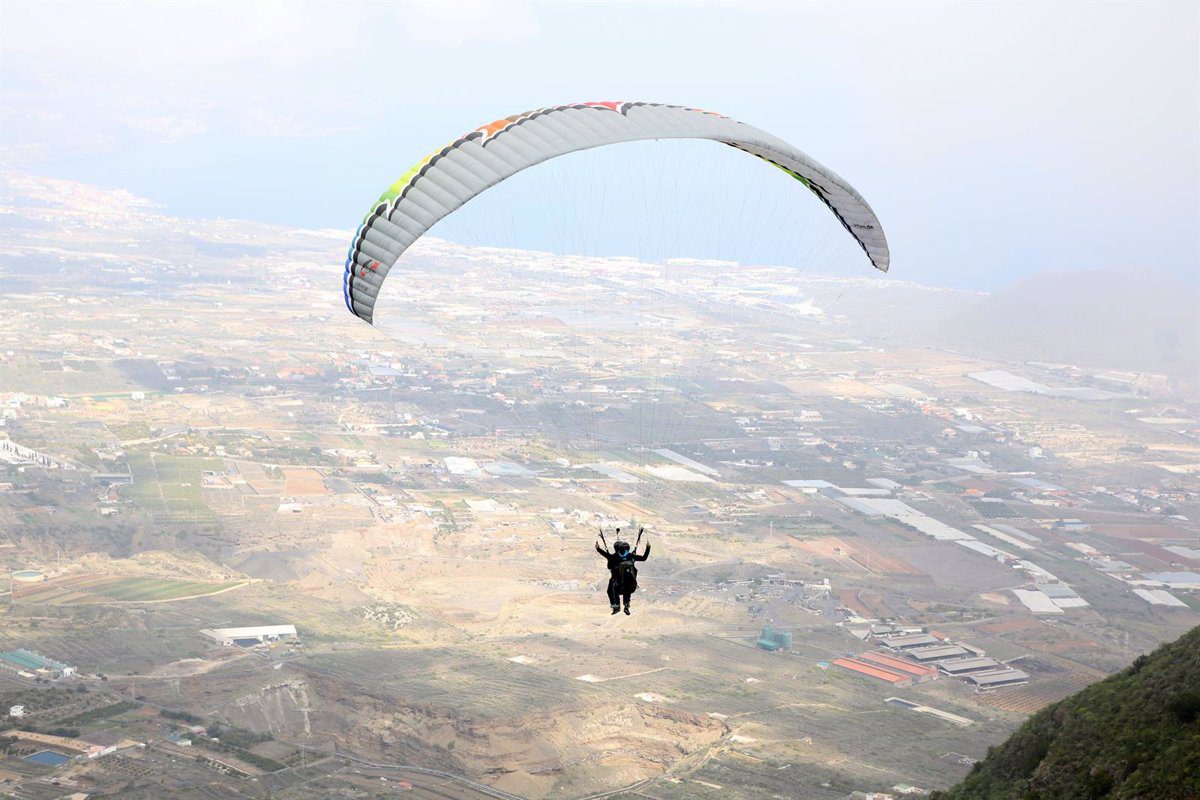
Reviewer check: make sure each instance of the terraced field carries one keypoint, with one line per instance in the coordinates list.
(94, 589)
(456, 679)
(118, 644)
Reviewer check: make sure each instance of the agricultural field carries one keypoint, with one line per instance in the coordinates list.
(94, 589)
(82, 379)
(115, 642)
(1031, 698)
(54, 706)
(855, 555)
(300, 481)
(168, 487)
(452, 678)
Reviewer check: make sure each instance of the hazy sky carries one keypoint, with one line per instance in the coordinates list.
(992, 139)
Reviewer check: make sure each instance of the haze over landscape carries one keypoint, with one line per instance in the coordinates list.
(989, 148)
(259, 548)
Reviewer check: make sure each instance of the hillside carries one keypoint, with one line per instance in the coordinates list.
(1134, 735)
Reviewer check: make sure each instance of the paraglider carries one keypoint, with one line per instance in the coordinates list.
(622, 568)
(445, 180)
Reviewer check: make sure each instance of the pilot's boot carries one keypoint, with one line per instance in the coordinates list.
(615, 609)
(626, 609)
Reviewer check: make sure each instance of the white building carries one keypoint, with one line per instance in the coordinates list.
(262, 633)
(17, 711)
(99, 750)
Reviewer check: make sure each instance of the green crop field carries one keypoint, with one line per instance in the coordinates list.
(151, 589)
(169, 486)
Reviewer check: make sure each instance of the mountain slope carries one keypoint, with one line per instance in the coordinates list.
(1134, 735)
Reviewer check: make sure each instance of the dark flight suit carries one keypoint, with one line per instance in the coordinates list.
(615, 596)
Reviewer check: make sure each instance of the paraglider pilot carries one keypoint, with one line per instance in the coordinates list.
(622, 568)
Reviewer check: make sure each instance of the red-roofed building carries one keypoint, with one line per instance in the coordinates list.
(919, 673)
(874, 671)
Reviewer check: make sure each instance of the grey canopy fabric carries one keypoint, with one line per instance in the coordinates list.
(447, 179)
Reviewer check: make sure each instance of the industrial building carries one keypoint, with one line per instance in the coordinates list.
(30, 664)
(909, 641)
(874, 671)
(937, 652)
(964, 666)
(250, 636)
(997, 678)
(919, 673)
(773, 640)
(887, 629)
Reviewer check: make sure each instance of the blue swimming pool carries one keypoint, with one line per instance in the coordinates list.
(49, 758)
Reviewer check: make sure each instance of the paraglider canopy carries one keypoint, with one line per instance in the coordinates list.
(445, 180)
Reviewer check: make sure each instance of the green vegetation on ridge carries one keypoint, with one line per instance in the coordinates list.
(1135, 735)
